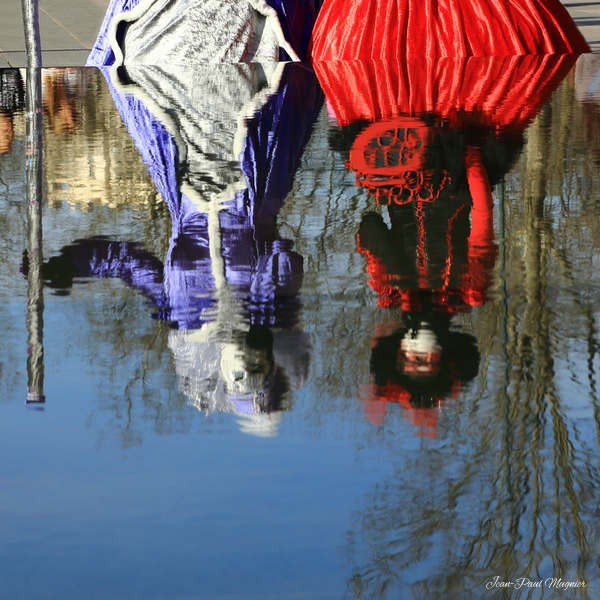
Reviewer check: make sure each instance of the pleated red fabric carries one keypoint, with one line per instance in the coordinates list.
(410, 100)
(498, 92)
(397, 29)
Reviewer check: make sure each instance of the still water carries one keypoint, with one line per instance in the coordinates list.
(303, 334)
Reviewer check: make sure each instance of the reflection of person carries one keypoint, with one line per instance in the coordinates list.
(433, 261)
(12, 99)
(216, 31)
(363, 29)
(427, 140)
(440, 211)
(418, 362)
(229, 284)
(249, 372)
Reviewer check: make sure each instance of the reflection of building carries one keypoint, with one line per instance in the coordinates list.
(427, 141)
(12, 100)
(587, 78)
(89, 157)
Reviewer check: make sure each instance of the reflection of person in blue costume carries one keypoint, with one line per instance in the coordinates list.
(228, 275)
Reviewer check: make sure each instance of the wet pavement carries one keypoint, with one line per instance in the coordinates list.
(68, 29)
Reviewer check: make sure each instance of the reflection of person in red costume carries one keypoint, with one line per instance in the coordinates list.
(440, 205)
(428, 141)
(433, 261)
(418, 363)
(398, 29)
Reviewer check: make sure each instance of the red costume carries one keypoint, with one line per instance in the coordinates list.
(428, 139)
(425, 124)
(398, 29)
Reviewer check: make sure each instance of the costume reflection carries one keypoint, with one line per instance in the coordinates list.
(12, 100)
(428, 141)
(229, 283)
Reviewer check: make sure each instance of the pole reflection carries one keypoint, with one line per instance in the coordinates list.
(34, 177)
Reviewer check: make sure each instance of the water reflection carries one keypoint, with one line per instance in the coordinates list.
(228, 278)
(289, 241)
(427, 141)
(531, 507)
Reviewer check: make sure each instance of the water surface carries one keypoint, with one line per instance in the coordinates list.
(237, 265)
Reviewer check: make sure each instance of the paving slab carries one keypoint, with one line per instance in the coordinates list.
(67, 30)
(11, 26)
(82, 20)
(51, 58)
(587, 17)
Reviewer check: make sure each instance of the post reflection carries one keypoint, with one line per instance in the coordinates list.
(229, 283)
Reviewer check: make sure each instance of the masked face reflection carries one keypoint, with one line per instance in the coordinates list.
(245, 367)
(419, 352)
(418, 363)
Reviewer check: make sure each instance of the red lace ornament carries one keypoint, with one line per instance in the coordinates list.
(388, 158)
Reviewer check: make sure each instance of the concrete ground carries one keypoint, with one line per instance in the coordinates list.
(69, 28)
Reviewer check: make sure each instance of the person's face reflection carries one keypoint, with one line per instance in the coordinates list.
(244, 369)
(419, 353)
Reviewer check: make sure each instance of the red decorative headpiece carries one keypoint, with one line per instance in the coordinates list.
(388, 159)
